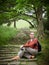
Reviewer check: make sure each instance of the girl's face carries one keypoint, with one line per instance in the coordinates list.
(31, 36)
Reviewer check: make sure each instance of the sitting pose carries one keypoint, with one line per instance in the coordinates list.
(29, 49)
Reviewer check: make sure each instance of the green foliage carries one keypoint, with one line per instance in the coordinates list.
(7, 17)
(43, 59)
(36, 3)
(46, 23)
(4, 17)
(6, 34)
(45, 2)
(6, 4)
(13, 36)
(6, 10)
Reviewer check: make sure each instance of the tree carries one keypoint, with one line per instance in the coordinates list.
(18, 9)
(37, 6)
(6, 11)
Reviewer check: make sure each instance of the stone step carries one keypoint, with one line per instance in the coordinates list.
(22, 60)
(17, 62)
(10, 46)
(8, 57)
(22, 63)
(8, 52)
(8, 49)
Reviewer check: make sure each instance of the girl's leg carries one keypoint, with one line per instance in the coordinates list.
(20, 54)
(32, 51)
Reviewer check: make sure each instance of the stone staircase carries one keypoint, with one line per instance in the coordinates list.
(9, 51)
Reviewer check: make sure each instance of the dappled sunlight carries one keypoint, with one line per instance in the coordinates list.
(19, 24)
(22, 24)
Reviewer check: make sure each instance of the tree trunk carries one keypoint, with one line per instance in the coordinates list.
(40, 27)
(14, 24)
(9, 23)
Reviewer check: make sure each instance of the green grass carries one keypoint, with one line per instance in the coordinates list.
(43, 58)
(6, 33)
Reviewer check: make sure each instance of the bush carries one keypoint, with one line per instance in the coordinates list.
(6, 33)
(43, 59)
(21, 37)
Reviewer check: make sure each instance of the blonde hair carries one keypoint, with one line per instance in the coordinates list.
(32, 33)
